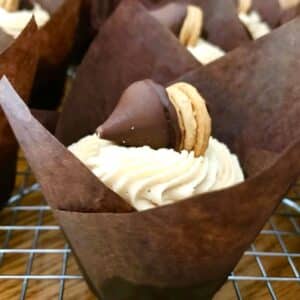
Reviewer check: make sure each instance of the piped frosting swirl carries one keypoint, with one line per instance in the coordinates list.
(148, 178)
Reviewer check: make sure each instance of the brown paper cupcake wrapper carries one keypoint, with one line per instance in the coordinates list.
(185, 250)
(109, 67)
(18, 62)
(57, 40)
(98, 10)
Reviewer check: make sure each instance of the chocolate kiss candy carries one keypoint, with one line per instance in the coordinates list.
(143, 116)
(171, 15)
(147, 114)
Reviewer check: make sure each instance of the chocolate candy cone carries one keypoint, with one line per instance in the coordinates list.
(143, 116)
(144, 255)
(57, 40)
(18, 62)
(109, 67)
(184, 250)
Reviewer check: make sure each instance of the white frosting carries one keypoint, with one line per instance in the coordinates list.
(148, 178)
(256, 27)
(206, 52)
(14, 22)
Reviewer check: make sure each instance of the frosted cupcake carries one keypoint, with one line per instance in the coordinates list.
(160, 155)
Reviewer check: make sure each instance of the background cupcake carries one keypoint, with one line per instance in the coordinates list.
(18, 61)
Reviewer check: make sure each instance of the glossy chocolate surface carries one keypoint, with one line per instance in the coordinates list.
(144, 116)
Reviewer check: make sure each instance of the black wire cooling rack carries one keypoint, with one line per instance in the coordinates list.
(37, 263)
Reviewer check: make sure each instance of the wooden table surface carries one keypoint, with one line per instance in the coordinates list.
(45, 264)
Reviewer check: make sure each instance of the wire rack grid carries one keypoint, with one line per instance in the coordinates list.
(37, 263)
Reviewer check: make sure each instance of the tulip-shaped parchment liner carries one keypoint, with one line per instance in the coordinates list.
(184, 250)
(18, 62)
(56, 40)
(151, 51)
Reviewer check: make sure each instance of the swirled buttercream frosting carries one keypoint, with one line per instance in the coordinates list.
(149, 178)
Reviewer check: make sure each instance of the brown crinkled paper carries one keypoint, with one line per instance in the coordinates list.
(131, 46)
(57, 39)
(217, 16)
(18, 62)
(185, 250)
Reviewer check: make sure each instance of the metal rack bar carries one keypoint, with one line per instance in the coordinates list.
(31, 256)
(264, 274)
(63, 271)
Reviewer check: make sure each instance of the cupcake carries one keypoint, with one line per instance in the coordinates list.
(210, 29)
(187, 248)
(57, 21)
(18, 61)
(160, 155)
